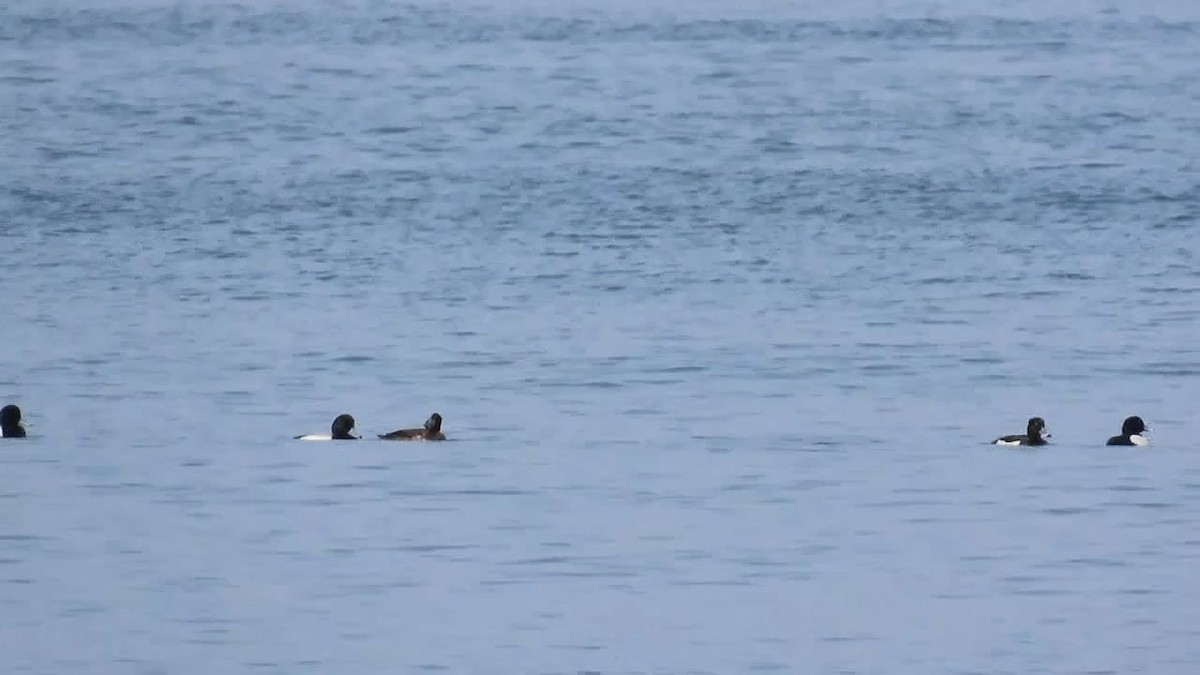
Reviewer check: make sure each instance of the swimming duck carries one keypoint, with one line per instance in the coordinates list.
(1035, 434)
(1131, 433)
(432, 431)
(342, 429)
(11, 424)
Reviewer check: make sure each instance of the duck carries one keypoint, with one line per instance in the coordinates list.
(1132, 433)
(432, 431)
(1035, 434)
(11, 423)
(342, 429)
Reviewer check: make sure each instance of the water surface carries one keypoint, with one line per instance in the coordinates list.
(720, 301)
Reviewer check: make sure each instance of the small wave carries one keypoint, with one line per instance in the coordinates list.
(390, 131)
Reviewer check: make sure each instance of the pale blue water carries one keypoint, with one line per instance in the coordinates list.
(720, 302)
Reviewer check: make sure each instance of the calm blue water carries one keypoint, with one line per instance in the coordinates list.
(720, 302)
